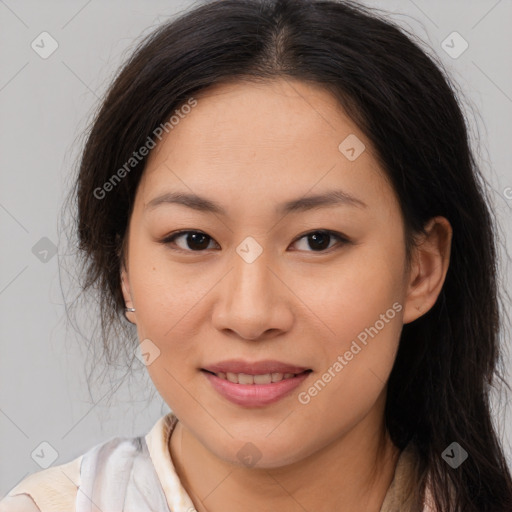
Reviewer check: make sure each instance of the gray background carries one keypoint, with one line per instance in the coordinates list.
(44, 106)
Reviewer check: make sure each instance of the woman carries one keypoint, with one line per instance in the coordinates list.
(280, 195)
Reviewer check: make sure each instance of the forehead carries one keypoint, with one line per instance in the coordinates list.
(271, 116)
(263, 139)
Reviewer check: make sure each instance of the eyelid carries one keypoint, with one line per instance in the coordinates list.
(175, 234)
(335, 234)
(343, 240)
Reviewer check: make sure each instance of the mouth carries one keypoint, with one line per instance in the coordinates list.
(255, 379)
(255, 390)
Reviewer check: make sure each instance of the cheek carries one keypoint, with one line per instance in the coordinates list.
(361, 306)
(165, 297)
(167, 302)
(352, 293)
(358, 360)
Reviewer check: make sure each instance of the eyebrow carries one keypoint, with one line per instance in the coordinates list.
(312, 202)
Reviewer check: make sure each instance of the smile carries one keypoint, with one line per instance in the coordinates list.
(255, 390)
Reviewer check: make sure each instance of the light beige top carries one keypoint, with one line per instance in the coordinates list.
(55, 489)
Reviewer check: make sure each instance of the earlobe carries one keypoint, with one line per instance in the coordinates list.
(431, 260)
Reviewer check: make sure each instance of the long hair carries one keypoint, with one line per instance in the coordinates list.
(447, 362)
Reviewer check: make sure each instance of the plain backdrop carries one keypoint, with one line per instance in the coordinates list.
(45, 104)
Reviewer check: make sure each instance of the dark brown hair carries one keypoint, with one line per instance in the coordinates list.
(447, 363)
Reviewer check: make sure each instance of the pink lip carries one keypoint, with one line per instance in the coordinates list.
(253, 368)
(255, 395)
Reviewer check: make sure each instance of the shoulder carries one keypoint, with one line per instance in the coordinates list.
(18, 503)
(50, 490)
(115, 463)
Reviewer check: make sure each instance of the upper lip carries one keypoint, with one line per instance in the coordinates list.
(254, 367)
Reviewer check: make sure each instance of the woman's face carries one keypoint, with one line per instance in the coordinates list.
(259, 282)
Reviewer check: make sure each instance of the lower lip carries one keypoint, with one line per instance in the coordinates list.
(255, 395)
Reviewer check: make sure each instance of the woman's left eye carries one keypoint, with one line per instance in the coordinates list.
(320, 239)
(197, 241)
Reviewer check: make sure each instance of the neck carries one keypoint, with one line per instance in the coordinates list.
(353, 472)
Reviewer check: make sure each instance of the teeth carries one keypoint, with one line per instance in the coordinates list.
(244, 378)
(262, 379)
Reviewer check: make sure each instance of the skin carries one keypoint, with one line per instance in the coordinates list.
(251, 147)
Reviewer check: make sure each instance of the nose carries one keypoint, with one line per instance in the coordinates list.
(252, 301)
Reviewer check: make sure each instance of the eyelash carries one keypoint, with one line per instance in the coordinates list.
(172, 237)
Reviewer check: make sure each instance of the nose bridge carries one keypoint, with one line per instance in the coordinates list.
(250, 280)
(250, 302)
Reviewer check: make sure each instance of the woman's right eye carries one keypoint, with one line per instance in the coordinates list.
(196, 240)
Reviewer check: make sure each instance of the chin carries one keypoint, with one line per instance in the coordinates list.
(260, 453)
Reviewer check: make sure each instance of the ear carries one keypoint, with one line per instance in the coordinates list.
(429, 265)
(125, 286)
